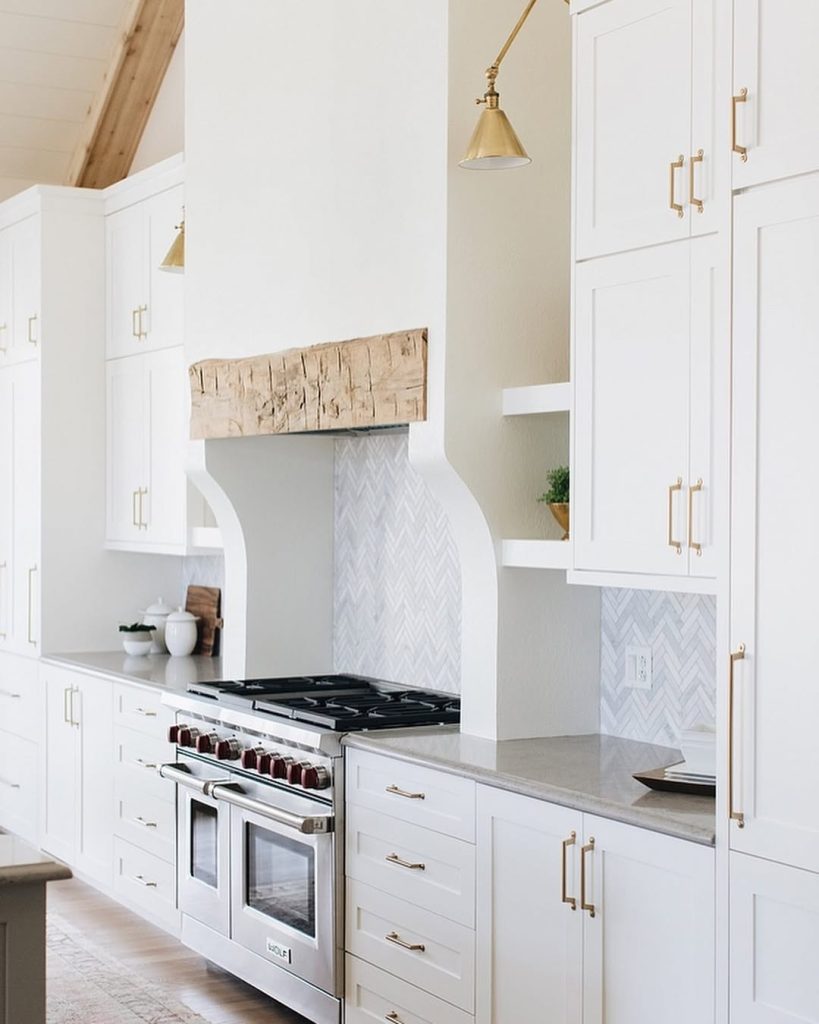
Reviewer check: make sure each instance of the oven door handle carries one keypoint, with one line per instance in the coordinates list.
(181, 774)
(309, 825)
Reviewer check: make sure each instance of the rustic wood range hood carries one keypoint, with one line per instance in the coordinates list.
(361, 384)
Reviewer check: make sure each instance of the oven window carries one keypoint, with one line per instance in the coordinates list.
(204, 843)
(280, 881)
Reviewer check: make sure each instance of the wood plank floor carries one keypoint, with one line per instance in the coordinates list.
(161, 959)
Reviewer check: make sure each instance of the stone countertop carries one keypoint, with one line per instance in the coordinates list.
(21, 864)
(589, 773)
(160, 671)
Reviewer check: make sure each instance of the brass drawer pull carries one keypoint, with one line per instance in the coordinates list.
(10, 695)
(395, 938)
(134, 325)
(673, 167)
(692, 490)
(11, 785)
(146, 764)
(144, 823)
(588, 848)
(672, 490)
(134, 520)
(393, 1017)
(143, 881)
(31, 321)
(405, 793)
(564, 898)
(144, 713)
(142, 332)
(737, 816)
(393, 858)
(698, 158)
(735, 147)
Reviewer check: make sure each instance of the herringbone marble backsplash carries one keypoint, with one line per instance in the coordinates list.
(680, 629)
(397, 573)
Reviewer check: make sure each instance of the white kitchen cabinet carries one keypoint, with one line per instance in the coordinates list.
(529, 941)
(6, 304)
(650, 136)
(145, 307)
(776, 80)
(651, 354)
(78, 821)
(20, 325)
(774, 938)
(775, 545)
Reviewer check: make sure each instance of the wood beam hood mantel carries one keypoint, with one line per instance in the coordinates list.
(348, 385)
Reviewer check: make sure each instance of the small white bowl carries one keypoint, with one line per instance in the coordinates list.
(137, 644)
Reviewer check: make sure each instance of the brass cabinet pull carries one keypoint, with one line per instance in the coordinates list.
(144, 713)
(737, 816)
(31, 339)
(134, 326)
(146, 764)
(564, 898)
(144, 823)
(134, 519)
(10, 695)
(32, 640)
(677, 545)
(735, 146)
(673, 167)
(72, 720)
(588, 848)
(698, 158)
(143, 881)
(11, 785)
(692, 490)
(142, 332)
(393, 1017)
(393, 858)
(396, 939)
(395, 791)
(143, 493)
(66, 713)
(3, 329)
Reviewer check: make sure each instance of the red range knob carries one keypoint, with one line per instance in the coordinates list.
(173, 733)
(295, 771)
(206, 744)
(228, 750)
(263, 765)
(279, 766)
(187, 736)
(315, 776)
(250, 757)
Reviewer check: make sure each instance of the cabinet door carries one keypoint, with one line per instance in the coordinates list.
(126, 281)
(633, 121)
(94, 710)
(26, 508)
(632, 338)
(529, 941)
(5, 294)
(648, 951)
(774, 938)
(165, 315)
(126, 455)
(775, 544)
(164, 482)
(6, 508)
(59, 797)
(775, 61)
(26, 260)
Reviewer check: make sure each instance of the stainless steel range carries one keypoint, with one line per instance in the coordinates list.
(260, 805)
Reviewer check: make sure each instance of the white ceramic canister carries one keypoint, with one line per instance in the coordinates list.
(156, 615)
(180, 633)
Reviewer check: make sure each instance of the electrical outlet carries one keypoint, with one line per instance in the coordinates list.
(639, 671)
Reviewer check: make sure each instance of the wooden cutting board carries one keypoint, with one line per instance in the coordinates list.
(206, 604)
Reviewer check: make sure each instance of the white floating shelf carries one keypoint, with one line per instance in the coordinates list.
(537, 398)
(207, 537)
(536, 554)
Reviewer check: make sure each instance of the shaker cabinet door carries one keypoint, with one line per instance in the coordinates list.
(126, 455)
(126, 281)
(165, 483)
(164, 320)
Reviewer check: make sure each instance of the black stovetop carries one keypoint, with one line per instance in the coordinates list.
(342, 703)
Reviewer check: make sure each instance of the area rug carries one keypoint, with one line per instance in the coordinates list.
(87, 986)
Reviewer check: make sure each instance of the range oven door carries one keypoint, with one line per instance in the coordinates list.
(203, 844)
(283, 881)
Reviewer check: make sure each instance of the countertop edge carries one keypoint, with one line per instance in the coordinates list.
(573, 799)
(65, 661)
(26, 874)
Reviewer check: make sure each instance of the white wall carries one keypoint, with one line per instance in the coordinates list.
(164, 133)
(11, 186)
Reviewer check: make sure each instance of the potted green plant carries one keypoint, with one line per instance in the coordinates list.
(557, 497)
(137, 638)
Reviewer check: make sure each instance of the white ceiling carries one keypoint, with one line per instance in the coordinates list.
(53, 57)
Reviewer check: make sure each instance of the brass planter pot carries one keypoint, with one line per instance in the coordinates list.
(560, 510)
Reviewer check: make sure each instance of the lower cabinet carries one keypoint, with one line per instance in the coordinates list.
(774, 940)
(20, 716)
(596, 920)
(375, 995)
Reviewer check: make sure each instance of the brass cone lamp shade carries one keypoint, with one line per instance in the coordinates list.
(175, 259)
(494, 145)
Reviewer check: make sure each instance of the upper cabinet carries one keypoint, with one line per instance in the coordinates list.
(651, 163)
(776, 90)
(20, 322)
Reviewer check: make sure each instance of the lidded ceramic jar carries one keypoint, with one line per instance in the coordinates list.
(156, 615)
(181, 633)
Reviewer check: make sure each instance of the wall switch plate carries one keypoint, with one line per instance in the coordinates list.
(639, 670)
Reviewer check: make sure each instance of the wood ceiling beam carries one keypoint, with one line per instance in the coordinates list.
(118, 117)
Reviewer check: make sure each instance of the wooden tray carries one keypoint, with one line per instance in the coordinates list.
(657, 779)
(206, 604)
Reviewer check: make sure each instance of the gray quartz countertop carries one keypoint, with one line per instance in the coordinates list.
(21, 864)
(589, 773)
(160, 671)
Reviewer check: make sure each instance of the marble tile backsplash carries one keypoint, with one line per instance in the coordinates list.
(680, 629)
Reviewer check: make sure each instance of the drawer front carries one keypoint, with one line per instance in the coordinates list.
(435, 800)
(380, 851)
(146, 821)
(19, 773)
(373, 995)
(21, 705)
(141, 710)
(145, 882)
(424, 949)
(137, 759)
